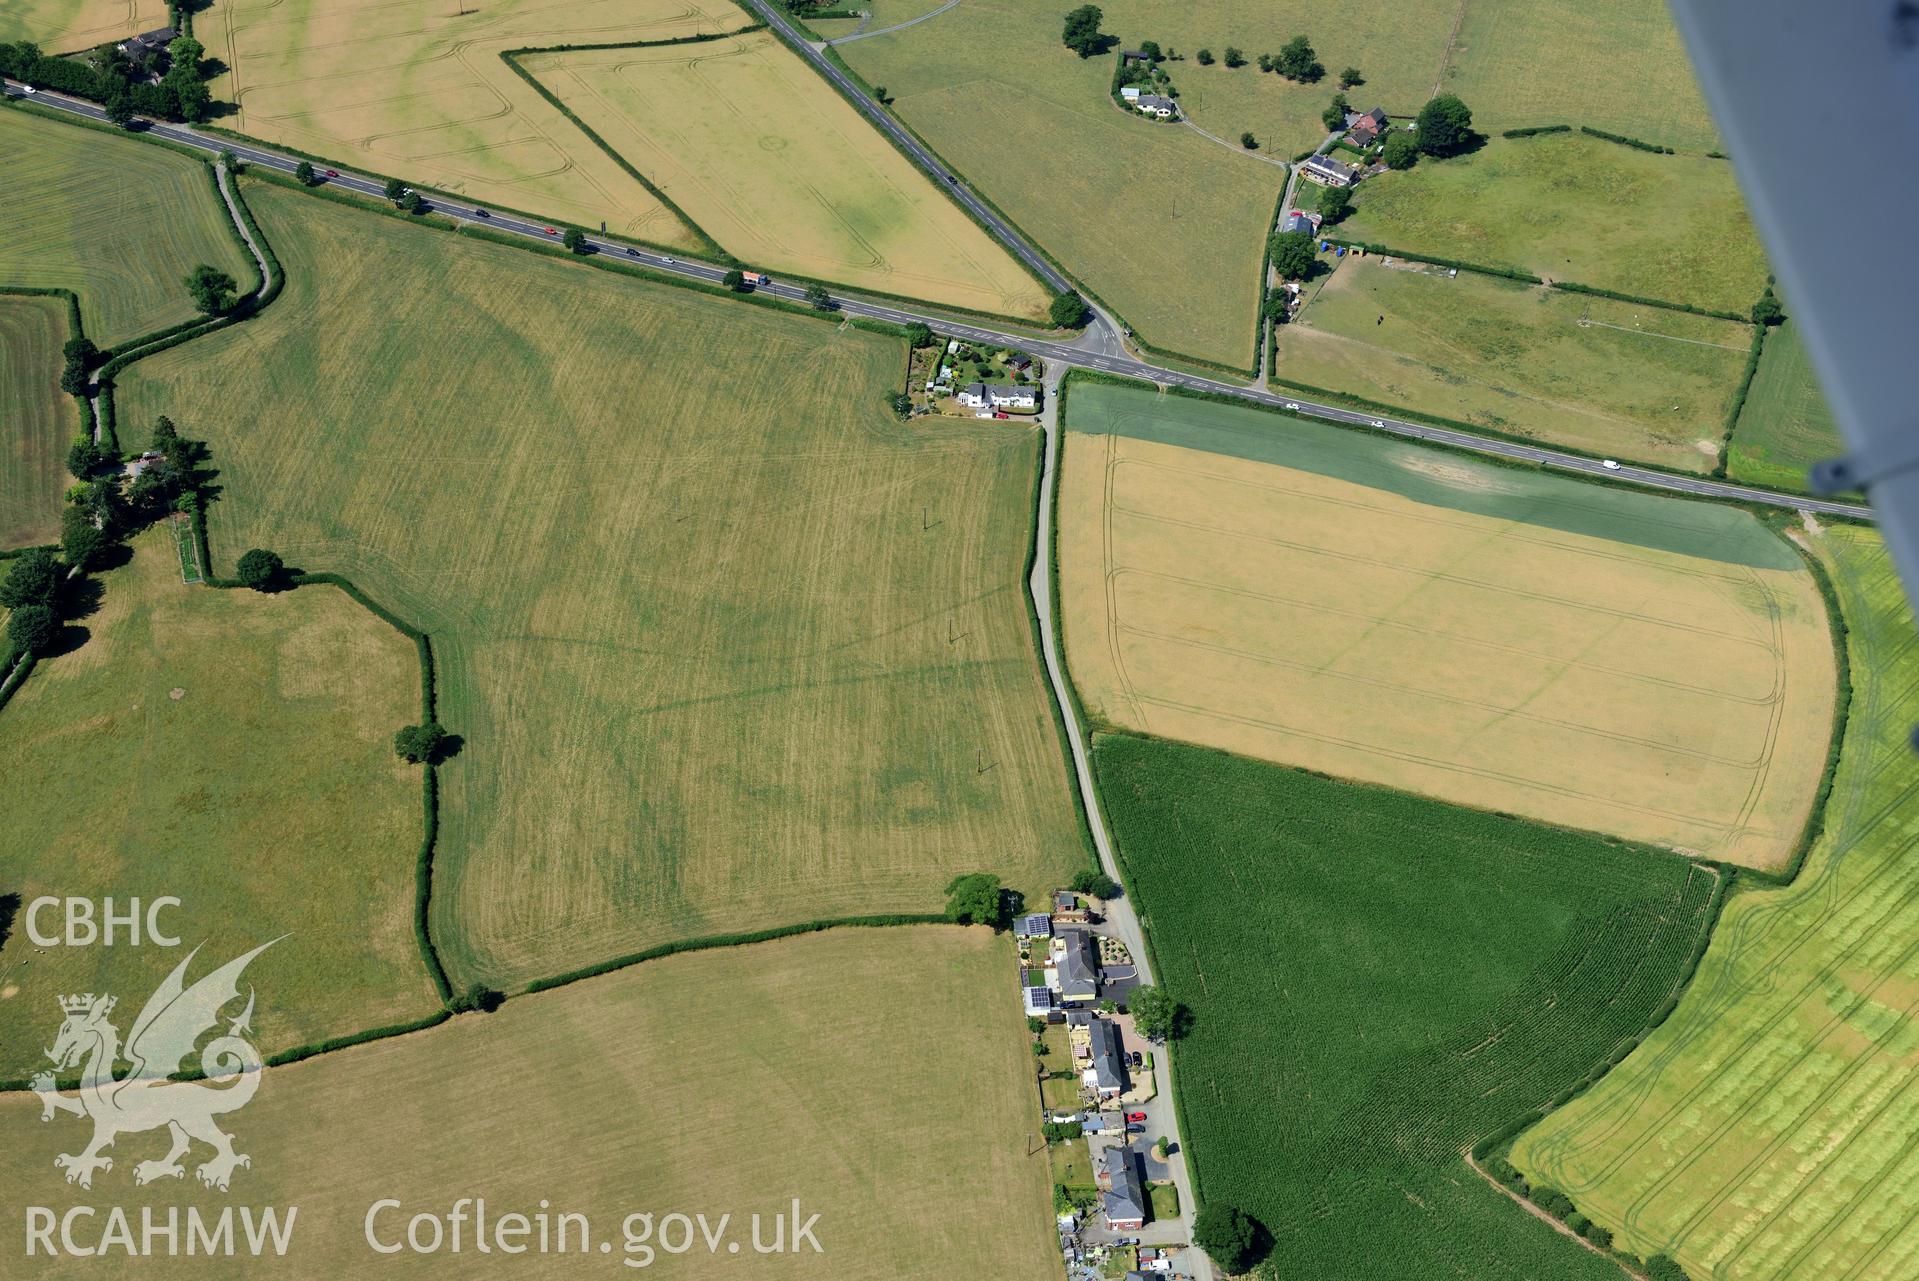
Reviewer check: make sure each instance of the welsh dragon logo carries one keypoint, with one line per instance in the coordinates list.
(173, 1019)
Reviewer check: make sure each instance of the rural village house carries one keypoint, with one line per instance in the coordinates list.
(1107, 1075)
(1124, 1199)
(1328, 172)
(143, 49)
(1366, 130)
(997, 396)
(1078, 967)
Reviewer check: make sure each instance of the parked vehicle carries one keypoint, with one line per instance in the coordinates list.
(997, 414)
(1135, 1116)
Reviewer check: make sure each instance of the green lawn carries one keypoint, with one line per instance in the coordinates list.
(1617, 66)
(1378, 980)
(1607, 377)
(729, 646)
(233, 750)
(1570, 207)
(1766, 1129)
(1785, 426)
(119, 222)
(37, 420)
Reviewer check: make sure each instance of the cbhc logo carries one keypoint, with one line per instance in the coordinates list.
(83, 930)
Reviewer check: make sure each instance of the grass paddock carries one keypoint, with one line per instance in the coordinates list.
(37, 420)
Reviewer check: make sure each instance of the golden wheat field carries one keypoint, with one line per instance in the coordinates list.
(62, 26)
(1606, 660)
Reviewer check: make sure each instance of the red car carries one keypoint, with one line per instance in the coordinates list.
(333, 173)
(1000, 415)
(1135, 1116)
(551, 232)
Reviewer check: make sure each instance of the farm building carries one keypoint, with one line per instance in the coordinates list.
(1067, 909)
(1123, 1199)
(1328, 172)
(1366, 130)
(1078, 967)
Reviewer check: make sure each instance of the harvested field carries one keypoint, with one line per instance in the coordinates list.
(1377, 981)
(1786, 425)
(1606, 377)
(418, 89)
(118, 222)
(1618, 66)
(1656, 669)
(724, 1083)
(1769, 1129)
(37, 420)
(1570, 207)
(730, 647)
(63, 26)
(761, 152)
(233, 750)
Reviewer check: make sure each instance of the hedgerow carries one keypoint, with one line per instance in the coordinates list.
(1624, 141)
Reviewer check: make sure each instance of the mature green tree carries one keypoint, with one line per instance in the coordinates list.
(305, 173)
(1151, 49)
(902, 405)
(33, 629)
(1293, 256)
(1662, 1267)
(1767, 310)
(1350, 77)
(977, 899)
(422, 744)
(1156, 1015)
(1234, 58)
(81, 541)
(212, 289)
(1231, 1236)
(1266, 62)
(1205, 57)
(1401, 150)
(395, 189)
(1069, 311)
(120, 110)
(919, 335)
(84, 458)
(1082, 34)
(734, 279)
(1334, 117)
(1249, 142)
(818, 299)
(1275, 309)
(413, 202)
(32, 579)
(262, 570)
(1445, 126)
(879, 94)
(1296, 58)
(1335, 203)
(1096, 883)
(574, 240)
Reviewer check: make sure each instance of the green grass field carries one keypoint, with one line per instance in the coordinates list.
(1618, 66)
(879, 1076)
(1767, 1130)
(1607, 377)
(118, 222)
(1785, 426)
(37, 420)
(729, 646)
(233, 750)
(1570, 207)
(1376, 982)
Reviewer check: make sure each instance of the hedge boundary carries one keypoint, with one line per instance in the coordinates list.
(76, 329)
(1638, 144)
(1534, 131)
(1740, 392)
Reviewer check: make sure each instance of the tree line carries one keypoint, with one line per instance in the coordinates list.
(107, 76)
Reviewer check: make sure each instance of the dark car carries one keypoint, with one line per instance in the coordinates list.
(481, 213)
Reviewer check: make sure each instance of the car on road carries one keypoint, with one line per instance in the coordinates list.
(1135, 1116)
(666, 260)
(1610, 464)
(1379, 422)
(481, 213)
(551, 232)
(333, 173)
(1293, 405)
(28, 89)
(632, 252)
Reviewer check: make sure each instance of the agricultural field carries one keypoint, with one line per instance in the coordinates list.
(783, 172)
(1378, 981)
(1571, 207)
(420, 90)
(724, 1082)
(1607, 377)
(210, 745)
(729, 646)
(1618, 66)
(37, 420)
(118, 222)
(1585, 655)
(1769, 1128)
(1164, 225)
(63, 26)
(1785, 426)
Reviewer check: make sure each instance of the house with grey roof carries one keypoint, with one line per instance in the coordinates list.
(1035, 925)
(1300, 220)
(1365, 130)
(144, 48)
(1078, 967)
(1123, 1199)
(1328, 172)
(1107, 1075)
(1153, 104)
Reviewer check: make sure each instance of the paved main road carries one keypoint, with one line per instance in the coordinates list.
(1098, 349)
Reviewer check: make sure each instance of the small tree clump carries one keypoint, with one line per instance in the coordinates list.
(977, 898)
(261, 570)
(422, 744)
(1069, 311)
(211, 288)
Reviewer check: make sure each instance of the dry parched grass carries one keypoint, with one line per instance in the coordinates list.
(770, 161)
(62, 26)
(37, 420)
(235, 751)
(1634, 665)
(118, 222)
(722, 1083)
(729, 646)
(1769, 1130)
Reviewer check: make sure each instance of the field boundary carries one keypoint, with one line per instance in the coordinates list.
(76, 329)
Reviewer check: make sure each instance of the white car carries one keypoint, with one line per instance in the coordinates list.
(1379, 422)
(28, 89)
(1293, 405)
(1610, 464)
(668, 261)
